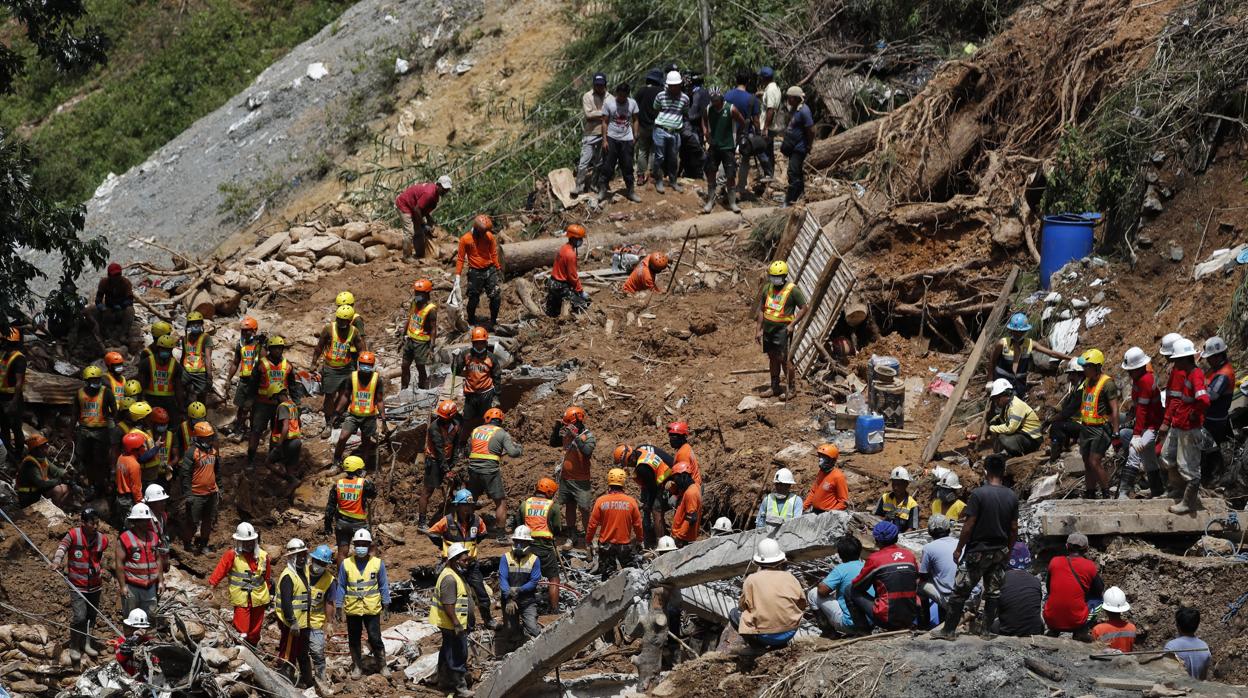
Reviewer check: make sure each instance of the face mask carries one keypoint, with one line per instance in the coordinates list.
(946, 495)
(361, 551)
(164, 354)
(203, 444)
(317, 569)
(521, 549)
(364, 368)
(194, 329)
(476, 350)
(162, 428)
(777, 280)
(275, 356)
(117, 370)
(422, 299)
(825, 465)
(93, 385)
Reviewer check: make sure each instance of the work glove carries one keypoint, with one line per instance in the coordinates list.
(454, 298)
(511, 608)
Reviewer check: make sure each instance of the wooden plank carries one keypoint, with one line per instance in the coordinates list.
(986, 333)
(821, 290)
(50, 389)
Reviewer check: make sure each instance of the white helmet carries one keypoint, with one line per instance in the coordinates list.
(768, 552)
(245, 531)
(445, 182)
(1214, 345)
(1115, 601)
(722, 525)
(1182, 348)
(1074, 366)
(522, 532)
(137, 619)
(1000, 386)
(141, 511)
(362, 535)
(1134, 358)
(296, 546)
(455, 551)
(1167, 343)
(900, 473)
(784, 476)
(154, 493)
(950, 481)
(666, 545)
(673, 78)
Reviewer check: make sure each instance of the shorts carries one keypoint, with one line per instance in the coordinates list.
(202, 507)
(579, 492)
(332, 379)
(775, 339)
(262, 416)
(475, 405)
(194, 383)
(488, 481)
(244, 394)
(419, 353)
(548, 556)
(345, 530)
(483, 280)
(434, 474)
(1094, 439)
(367, 426)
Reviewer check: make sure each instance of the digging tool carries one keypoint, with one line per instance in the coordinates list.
(693, 229)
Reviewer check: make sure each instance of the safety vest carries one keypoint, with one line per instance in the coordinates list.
(91, 409)
(437, 616)
(479, 443)
(517, 571)
(1089, 409)
(478, 373)
(338, 352)
(362, 597)
(454, 535)
(292, 427)
(162, 377)
(349, 495)
(193, 359)
(83, 568)
(316, 599)
(248, 589)
(162, 456)
(203, 471)
(140, 561)
(780, 514)
(42, 464)
(249, 353)
(450, 434)
(273, 379)
(650, 459)
(774, 303)
(416, 329)
(299, 599)
(363, 403)
(894, 510)
(537, 516)
(1006, 362)
(7, 386)
(118, 386)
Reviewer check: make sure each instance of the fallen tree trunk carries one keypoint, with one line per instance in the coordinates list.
(844, 146)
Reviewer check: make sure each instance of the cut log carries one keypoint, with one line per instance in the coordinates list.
(525, 291)
(845, 146)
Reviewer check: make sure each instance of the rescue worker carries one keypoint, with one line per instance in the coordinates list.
(782, 308)
(946, 502)
(286, 437)
(780, 504)
(541, 517)
(162, 376)
(156, 499)
(1064, 426)
(293, 601)
(346, 510)
(451, 613)
(363, 594)
(95, 414)
(1115, 632)
(678, 439)
(1181, 435)
(1011, 356)
(196, 359)
(416, 204)
(363, 398)
(245, 356)
(323, 583)
(1221, 386)
(142, 423)
(115, 374)
(480, 250)
(159, 329)
(721, 527)
(129, 476)
(464, 526)
(440, 440)
(831, 491)
(614, 528)
(348, 298)
(246, 564)
(644, 275)
(481, 371)
(419, 334)
(38, 478)
(114, 304)
(575, 485)
(565, 281)
(160, 468)
(338, 345)
(137, 564)
(1014, 426)
(651, 467)
(519, 572)
(81, 555)
(687, 518)
(896, 504)
(1098, 415)
(273, 374)
(196, 413)
(134, 635)
(486, 448)
(1146, 402)
(199, 486)
(892, 572)
(12, 385)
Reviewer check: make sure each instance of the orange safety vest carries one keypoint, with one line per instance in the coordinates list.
(774, 303)
(292, 432)
(162, 377)
(338, 352)
(5, 363)
(248, 354)
(537, 516)
(450, 433)
(193, 360)
(478, 376)
(349, 493)
(479, 442)
(1088, 411)
(363, 398)
(416, 329)
(42, 464)
(203, 471)
(141, 563)
(91, 409)
(118, 386)
(273, 378)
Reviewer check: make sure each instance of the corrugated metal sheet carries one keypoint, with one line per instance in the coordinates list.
(50, 389)
(810, 256)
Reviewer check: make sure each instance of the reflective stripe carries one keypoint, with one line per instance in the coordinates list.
(41, 463)
(416, 329)
(892, 509)
(454, 534)
(140, 562)
(776, 515)
(362, 595)
(298, 598)
(91, 409)
(774, 303)
(437, 616)
(193, 359)
(273, 378)
(162, 376)
(162, 456)
(317, 594)
(349, 493)
(363, 403)
(118, 386)
(5, 363)
(537, 516)
(338, 351)
(1089, 411)
(83, 567)
(248, 355)
(248, 588)
(518, 572)
(1121, 634)
(479, 448)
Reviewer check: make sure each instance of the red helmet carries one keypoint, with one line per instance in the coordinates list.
(368, 357)
(114, 269)
(576, 231)
(133, 442)
(547, 486)
(482, 223)
(447, 409)
(678, 428)
(493, 413)
(160, 416)
(480, 334)
(573, 414)
(620, 454)
(114, 358)
(682, 467)
(422, 286)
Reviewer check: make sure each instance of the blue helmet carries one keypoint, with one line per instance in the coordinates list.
(323, 553)
(766, 72)
(462, 497)
(1018, 323)
(885, 532)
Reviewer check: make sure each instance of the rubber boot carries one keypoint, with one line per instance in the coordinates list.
(676, 186)
(631, 195)
(603, 194)
(710, 198)
(659, 186)
(949, 631)
(732, 202)
(1191, 500)
(990, 617)
(356, 667)
(1126, 483)
(1156, 486)
(1174, 486)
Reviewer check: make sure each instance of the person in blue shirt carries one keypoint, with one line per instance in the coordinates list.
(742, 97)
(798, 138)
(362, 583)
(519, 572)
(831, 596)
(1188, 648)
(937, 569)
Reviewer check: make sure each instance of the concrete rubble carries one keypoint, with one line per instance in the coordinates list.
(1060, 517)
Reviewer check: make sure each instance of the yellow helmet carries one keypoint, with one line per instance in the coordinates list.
(139, 410)
(344, 298)
(616, 476)
(133, 388)
(1092, 356)
(344, 312)
(196, 410)
(778, 268)
(166, 341)
(160, 328)
(277, 340)
(352, 464)
(194, 316)
(125, 403)
(92, 372)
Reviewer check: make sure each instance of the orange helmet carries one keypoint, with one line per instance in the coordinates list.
(480, 334)
(620, 454)
(368, 357)
(133, 442)
(422, 286)
(547, 486)
(576, 231)
(113, 358)
(482, 223)
(678, 428)
(249, 323)
(682, 467)
(447, 409)
(573, 414)
(203, 430)
(35, 441)
(160, 416)
(14, 335)
(658, 261)
(493, 413)
(829, 450)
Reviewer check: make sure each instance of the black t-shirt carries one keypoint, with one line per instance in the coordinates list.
(645, 104)
(1021, 601)
(994, 508)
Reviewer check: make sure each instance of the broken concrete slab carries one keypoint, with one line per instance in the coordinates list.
(709, 604)
(1060, 517)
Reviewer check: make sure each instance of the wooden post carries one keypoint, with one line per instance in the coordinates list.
(704, 12)
(988, 331)
(821, 290)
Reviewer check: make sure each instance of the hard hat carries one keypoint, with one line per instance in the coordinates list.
(573, 414)
(616, 476)
(140, 512)
(939, 522)
(1134, 358)
(166, 341)
(547, 486)
(778, 268)
(36, 440)
(13, 335)
(1115, 601)
(949, 480)
(203, 430)
(138, 619)
(196, 410)
(885, 532)
(620, 453)
(784, 476)
(1018, 323)
(829, 450)
(154, 493)
(323, 553)
(139, 410)
(462, 497)
(482, 223)
(161, 328)
(277, 340)
(160, 416)
(344, 298)
(368, 357)
(900, 473)
(345, 312)
(1092, 356)
(678, 428)
(447, 409)
(249, 323)
(351, 464)
(1074, 366)
(89, 513)
(295, 546)
(1214, 345)
(666, 545)
(92, 372)
(795, 91)
(1183, 347)
(1167, 343)
(479, 334)
(1001, 386)
(576, 231)
(522, 532)
(768, 552)
(194, 316)
(422, 286)
(455, 551)
(722, 525)
(673, 78)
(658, 261)
(444, 182)
(493, 413)
(114, 269)
(124, 404)
(245, 532)
(133, 387)
(682, 467)
(133, 442)
(114, 358)
(362, 536)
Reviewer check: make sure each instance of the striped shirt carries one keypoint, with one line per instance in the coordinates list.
(671, 111)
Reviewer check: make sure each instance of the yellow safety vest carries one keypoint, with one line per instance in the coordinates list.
(273, 379)
(162, 377)
(537, 516)
(479, 448)
(248, 355)
(91, 409)
(1089, 411)
(247, 588)
(774, 303)
(437, 616)
(1007, 349)
(363, 403)
(416, 329)
(193, 355)
(362, 597)
(162, 456)
(317, 594)
(893, 509)
(299, 599)
(777, 514)
(338, 352)
(5, 385)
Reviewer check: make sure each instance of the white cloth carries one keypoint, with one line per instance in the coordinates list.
(1143, 451)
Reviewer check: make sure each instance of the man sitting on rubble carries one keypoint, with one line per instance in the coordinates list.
(772, 601)
(1014, 426)
(892, 572)
(1018, 612)
(1075, 591)
(937, 568)
(831, 596)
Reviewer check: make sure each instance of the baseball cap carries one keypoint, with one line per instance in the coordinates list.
(1077, 540)
(445, 182)
(600, 78)
(766, 72)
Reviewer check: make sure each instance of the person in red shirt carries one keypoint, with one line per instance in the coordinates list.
(1146, 401)
(642, 278)
(678, 439)
(416, 205)
(687, 519)
(480, 249)
(1115, 631)
(614, 528)
(565, 281)
(135, 635)
(831, 491)
(1181, 436)
(894, 575)
(1072, 580)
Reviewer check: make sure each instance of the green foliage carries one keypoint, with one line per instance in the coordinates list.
(899, 20)
(54, 35)
(1072, 185)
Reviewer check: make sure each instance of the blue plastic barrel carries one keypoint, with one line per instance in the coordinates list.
(869, 433)
(1064, 238)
